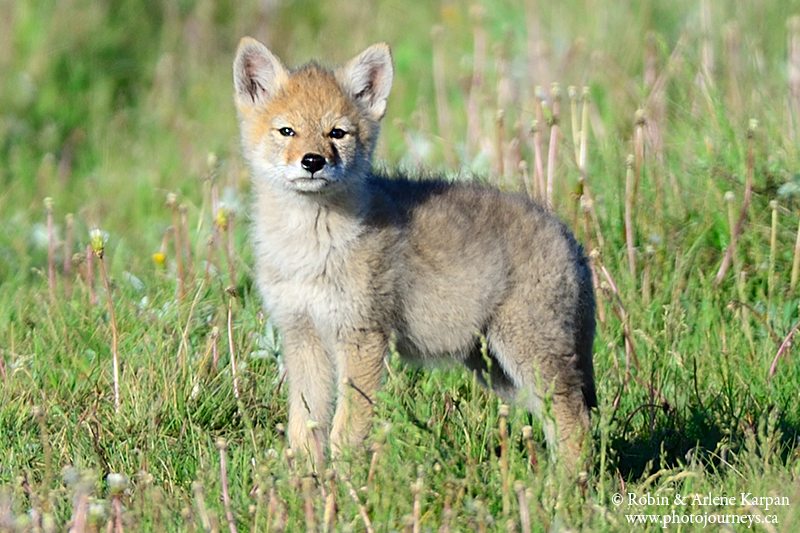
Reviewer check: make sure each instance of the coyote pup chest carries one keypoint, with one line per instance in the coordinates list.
(304, 266)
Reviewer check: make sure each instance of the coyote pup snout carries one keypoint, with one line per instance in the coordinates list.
(345, 258)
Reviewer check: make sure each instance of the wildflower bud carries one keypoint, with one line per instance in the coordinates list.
(98, 240)
(48, 204)
(221, 220)
(159, 258)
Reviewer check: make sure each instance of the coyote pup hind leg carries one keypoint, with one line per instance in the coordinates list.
(542, 338)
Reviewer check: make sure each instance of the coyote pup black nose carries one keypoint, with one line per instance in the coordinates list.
(313, 162)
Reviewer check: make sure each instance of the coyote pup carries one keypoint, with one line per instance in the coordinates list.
(345, 258)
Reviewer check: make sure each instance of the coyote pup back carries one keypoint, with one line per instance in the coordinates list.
(345, 258)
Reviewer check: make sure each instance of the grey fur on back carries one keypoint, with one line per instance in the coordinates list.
(460, 256)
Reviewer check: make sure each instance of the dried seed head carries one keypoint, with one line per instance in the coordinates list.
(144, 478)
(212, 161)
(477, 12)
(222, 444)
(751, 128)
(172, 200)
(555, 91)
(503, 411)
(117, 483)
(48, 204)
(98, 512)
(639, 117)
(572, 91)
(629, 161)
(527, 432)
(729, 196)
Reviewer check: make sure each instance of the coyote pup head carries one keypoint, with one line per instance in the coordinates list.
(310, 130)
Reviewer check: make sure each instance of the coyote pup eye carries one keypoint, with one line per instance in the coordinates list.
(337, 133)
(286, 132)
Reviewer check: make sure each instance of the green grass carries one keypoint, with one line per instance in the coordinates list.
(108, 107)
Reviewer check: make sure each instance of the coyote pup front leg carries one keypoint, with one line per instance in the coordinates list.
(359, 379)
(308, 371)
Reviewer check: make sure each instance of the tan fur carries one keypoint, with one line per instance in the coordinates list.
(345, 259)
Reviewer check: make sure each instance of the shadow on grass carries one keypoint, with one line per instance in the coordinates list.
(654, 437)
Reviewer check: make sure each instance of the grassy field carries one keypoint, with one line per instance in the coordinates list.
(141, 387)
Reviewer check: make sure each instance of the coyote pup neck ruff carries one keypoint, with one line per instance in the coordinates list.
(346, 258)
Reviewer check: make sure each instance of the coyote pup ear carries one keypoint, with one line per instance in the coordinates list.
(368, 79)
(257, 73)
